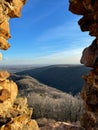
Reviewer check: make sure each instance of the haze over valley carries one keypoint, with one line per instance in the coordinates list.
(67, 78)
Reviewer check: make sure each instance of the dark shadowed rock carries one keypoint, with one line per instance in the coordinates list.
(89, 22)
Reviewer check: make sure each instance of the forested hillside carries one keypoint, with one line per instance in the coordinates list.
(49, 102)
(63, 77)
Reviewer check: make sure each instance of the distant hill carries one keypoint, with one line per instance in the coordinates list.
(48, 102)
(17, 68)
(63, 77)
(27, 85)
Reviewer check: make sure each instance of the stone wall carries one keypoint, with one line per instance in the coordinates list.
(89, 22)
(14, 112)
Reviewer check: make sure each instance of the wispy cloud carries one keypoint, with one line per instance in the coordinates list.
(52, 8)
(66, 30)
(53, 33)
(66, 35)
(61, 42)
(30, 5)
(69, 56)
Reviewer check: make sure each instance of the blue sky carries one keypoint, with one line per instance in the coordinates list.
(47, 33)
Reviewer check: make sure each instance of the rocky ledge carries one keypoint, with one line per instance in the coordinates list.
(14, 112)
(61, 126)
(89, 22)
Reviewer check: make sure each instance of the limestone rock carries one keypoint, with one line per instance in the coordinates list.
(21, 107)
(3, 12)
(14, 113)
(90, 55)
(88, 121)
(18, 117)
(8, 92)
(89, 22)
(90, 91)
(61, 126)
(89, 10)
(4, 75)
(4, 45)
(4, 95)
(11, 87)
(77, 7)
(94, 29)
(90, 96)
(4, 107)
(4, 29)
(8, 9)
(20, 123)
(85, 22)
(15, 8)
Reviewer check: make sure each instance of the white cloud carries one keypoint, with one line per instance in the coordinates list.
(52, 9)
(53, 33)
(71, 56)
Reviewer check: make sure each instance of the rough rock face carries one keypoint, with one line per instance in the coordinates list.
(60, 126)
(8, 9)
(18, 117)
(14, 112)
(89, 22)
(89, 10)
(51, 124)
